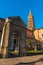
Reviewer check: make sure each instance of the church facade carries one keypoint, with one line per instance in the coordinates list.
(15, 36)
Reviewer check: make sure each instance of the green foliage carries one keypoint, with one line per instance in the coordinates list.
(32, 51)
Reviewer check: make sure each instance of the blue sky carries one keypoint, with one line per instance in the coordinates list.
(22, 8)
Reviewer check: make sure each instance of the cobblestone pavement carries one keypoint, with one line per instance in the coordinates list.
(28, 60)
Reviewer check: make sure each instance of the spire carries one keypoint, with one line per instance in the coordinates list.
(30, 12)
(30, 21)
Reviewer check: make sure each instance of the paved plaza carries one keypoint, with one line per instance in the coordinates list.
(28, 60)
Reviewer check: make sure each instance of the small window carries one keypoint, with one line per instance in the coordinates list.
(42, 35)
(14, 41)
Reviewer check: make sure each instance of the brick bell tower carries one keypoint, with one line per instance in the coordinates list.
(30, 21)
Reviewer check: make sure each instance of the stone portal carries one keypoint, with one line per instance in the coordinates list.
(14, 41)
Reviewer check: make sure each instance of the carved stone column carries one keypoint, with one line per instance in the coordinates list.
(5, 39)
(35, 46)
(22, 45)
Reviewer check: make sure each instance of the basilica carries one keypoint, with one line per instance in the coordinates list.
(15, 36)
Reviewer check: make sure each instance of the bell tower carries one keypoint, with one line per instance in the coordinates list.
(30, 21)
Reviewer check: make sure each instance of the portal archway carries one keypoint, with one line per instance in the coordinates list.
(14, 45)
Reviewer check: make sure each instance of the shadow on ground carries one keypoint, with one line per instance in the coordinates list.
(14, 55)
(31, 63)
